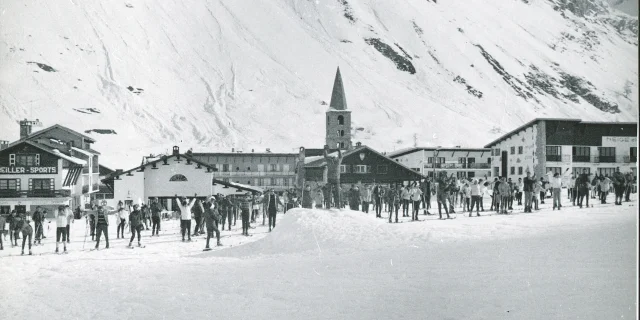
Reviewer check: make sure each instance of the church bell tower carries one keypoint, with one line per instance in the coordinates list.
(338, 134)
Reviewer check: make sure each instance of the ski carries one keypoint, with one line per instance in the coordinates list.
(206, 249)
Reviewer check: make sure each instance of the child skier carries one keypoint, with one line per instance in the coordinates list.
(61, 228)
(135, 222)
(102, 226)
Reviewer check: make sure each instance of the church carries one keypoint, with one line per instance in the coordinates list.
(356, 163)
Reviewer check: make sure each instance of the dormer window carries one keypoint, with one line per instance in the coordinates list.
(27, 160)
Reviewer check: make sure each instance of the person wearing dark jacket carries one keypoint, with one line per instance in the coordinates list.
(211, 219)
(197, 210)
(27, 231)
(271, 201)
(582, 185)
(225, 211)
(619, 183)
(528, 183)
(38, 218)
(244, 205)
(156, 210)
(135, 222)
(18, 221)
(354, 198)
(144, 210)
(443, 193)
(307, 198)
(426, 196)
(393, 199)
(102, 226)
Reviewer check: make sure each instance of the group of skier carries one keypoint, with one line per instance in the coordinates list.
(468, 194)
(20, 224)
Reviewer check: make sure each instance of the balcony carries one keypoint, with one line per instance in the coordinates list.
(34, 193)
(457, 166)
(630, 159)
(605, 159)
(253, 174)
(558, 158)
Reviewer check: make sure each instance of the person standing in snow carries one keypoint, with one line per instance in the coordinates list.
(135, 223)
(512, 191)
(102, 226)
(582, 185)
(319, 199)
(519, 191)
(307, 198)
(630, 181)
(185, 215)
(527, 187)
(503, 194)
(144, 211)
(405, 196)
(605, 185)
(62, 216)
(475, 190)
(354, 198)
(211, 219)
(416, 198)
(225, 211)
(38, 218)
(245, 205)
(365, 198)
(483, 191)
(122, 218)
(18, 221)
(70, 220)
(333, 175)
(466, 192)
(426, 196)
(537, 191)
(197, 211)
(271, 201)
(442, 196)
(156, 211)
(555, 183)
(393, 198)
(2, 226)
(27, 231)
(619, 183)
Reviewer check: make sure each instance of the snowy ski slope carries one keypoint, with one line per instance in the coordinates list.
(218, 74)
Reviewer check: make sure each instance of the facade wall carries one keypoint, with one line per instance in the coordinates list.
(129, 187)
(157, 181)
(257, 169)
(419, 161)
(529, 139)
(382, 169)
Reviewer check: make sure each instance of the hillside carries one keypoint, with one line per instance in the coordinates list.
(258, 74)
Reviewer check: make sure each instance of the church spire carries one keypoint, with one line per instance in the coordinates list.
(338, 99)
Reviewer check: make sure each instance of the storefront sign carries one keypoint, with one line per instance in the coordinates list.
(620, 139)
(28, 170)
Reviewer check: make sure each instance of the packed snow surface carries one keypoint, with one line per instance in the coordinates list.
(340, 264)
(142, 76)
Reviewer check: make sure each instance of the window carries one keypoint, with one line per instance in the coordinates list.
(178, 177)
(496, 152)
(471, 174)
(273, 167)
(513, 170)
(225, 167)
(27, 160)
(285, 167)
(340, 133)
(607, 154)
(513, 150)
(341, 120)
(520, 149)
(248, 168)
(279, 181)
(286, 182)
(237, 169)
(363, 169)
(606, 171)
(9, 184)
(520, 170)
(12, 159)
(416, 169)
(554, 170)
(382, 169)
(581, 154)
(261, 168)
(41, 184)
(343, 168)
(460, 174)
(578, 170)
(554, 153)
(633, 154)
(260, 182)
(341, 144)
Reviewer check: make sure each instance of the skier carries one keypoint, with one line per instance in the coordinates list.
(197, 211)
(70, 220)
(245, 205)
(527, 187)
(62, 216)
(393, 198)
(156, 209)
(416, 198)
(537, 192)
(225, 207)
(102, 226)
(605, 185)
(582, 185)
(630, 182)
(474, 190)
(135, 223)
(512, 191)
(619, 183)
(365, 198)
(38, 218)
(495, 202)
(185, 215)
(144, 210)
(519, 190)
(211, 219)
(378, 200)
(27, 231)
(354, 198)
(405, 196)
(504, 193)
(271, 201)
(466, 192)
(2, 225)
(443, 186)
(307, 198)
(122, 218)
(18, 221)
(426, 196)
(319, 198)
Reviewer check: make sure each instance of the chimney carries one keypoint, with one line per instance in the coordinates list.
(4, 144)
(233, 150)
(251, 150)
(358, 144)
(25, 128)
(176, 150)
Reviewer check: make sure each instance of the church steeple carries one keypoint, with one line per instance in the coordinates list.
(338, 133)
(338, 99)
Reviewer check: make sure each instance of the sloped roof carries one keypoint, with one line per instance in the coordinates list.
(524, 126)
(50, 150)
(150, 163)
(338, 99)
(406, 151)
(55, 126)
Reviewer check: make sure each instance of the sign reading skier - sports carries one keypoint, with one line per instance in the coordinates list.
(28, 170)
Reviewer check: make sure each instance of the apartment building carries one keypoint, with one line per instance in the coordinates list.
(464, 162)
(545, 144)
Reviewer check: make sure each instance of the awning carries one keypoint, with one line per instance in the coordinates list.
(236, 186)
(72, 176)
(69, 158)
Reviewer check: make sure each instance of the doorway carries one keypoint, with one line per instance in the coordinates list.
(504, 164)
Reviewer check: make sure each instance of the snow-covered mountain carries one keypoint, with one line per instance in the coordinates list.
(217, 74)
